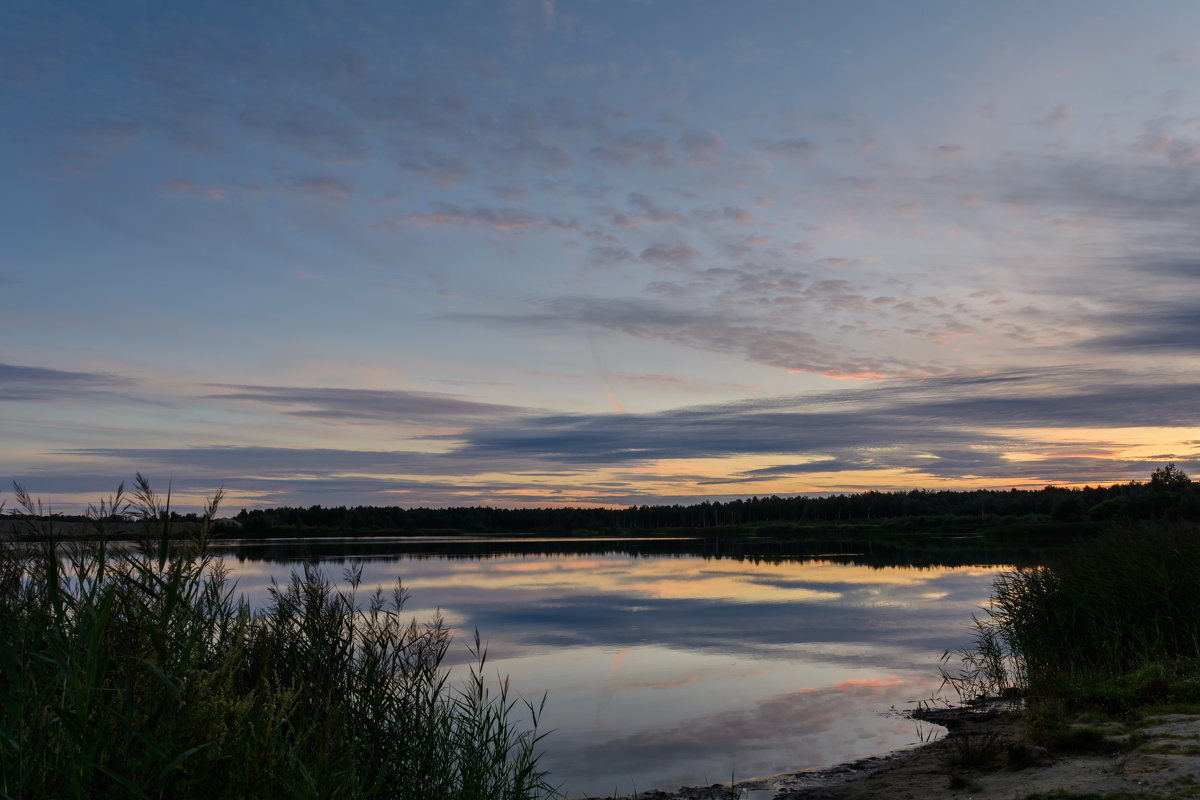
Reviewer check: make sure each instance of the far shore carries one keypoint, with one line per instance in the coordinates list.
(16, 528)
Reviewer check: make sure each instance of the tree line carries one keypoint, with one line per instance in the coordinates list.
(1169, 494)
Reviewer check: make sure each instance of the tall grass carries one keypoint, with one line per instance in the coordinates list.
(1112, 622)
(136, 672)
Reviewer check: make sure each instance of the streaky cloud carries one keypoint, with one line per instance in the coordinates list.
(30, 384)
(366, 404)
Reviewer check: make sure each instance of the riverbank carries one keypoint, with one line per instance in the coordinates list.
(982, 757)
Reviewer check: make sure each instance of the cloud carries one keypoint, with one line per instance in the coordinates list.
(508, 220)
(322, 187)
(714, 330)
(512, 194)
(308, 127)
(441, 170)
(936, 425)
(614, 157)
(669, 254)
(735, 214)
(364, 404)
(1154, 326)
(251, 465)
(1179, 58)
(624, 148)
(701, 146)
(408, 111)
(798, 148)
(1057, 118)
(182, 187)
(536, 155)
(701, 433)
(1089, 240)
(38, 384)
(302, 476)
(649, 211)
(949, 428)
(1108, 189)
(607, 255)
(1161, 138)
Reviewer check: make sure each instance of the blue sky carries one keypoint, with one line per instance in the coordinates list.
(535, 253)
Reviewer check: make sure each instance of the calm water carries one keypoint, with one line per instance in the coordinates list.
(667, 668)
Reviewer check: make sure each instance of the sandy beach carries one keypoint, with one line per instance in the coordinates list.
(1156, 757)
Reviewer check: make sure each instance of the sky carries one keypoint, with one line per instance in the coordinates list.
(585, 252)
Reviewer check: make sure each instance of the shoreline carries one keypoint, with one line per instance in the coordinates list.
(1155, 757)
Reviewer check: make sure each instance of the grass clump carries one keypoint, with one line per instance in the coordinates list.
(133, 671)
(974, 749)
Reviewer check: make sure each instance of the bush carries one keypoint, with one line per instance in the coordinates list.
(132, 671)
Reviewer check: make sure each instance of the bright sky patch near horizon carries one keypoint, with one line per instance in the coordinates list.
(544, 253)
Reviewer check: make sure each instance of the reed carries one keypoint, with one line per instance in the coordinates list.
(1113, 623)
(134, 671)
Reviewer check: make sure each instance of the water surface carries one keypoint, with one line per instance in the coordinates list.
(672, 662)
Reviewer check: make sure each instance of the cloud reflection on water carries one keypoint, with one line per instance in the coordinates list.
(668, 670)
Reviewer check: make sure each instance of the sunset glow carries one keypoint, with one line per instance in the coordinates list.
(556, 252)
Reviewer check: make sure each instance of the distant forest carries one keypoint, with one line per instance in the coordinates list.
(1169, 494)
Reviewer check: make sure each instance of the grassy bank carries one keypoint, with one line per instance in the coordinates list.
(136, 672)
(1111, 625)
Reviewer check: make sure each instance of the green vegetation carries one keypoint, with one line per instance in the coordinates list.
(1169, 494)
(1044, 516)
(1113, 623)
(135, 672)
(1015, 514)
(1110, 626)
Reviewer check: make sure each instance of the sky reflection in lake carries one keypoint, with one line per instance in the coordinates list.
(667, 670)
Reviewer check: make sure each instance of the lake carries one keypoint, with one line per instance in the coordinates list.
(675, 661)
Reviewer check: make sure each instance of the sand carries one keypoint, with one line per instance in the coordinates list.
(1160, 758)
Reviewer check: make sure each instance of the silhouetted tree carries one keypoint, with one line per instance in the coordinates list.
(1169, 477)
